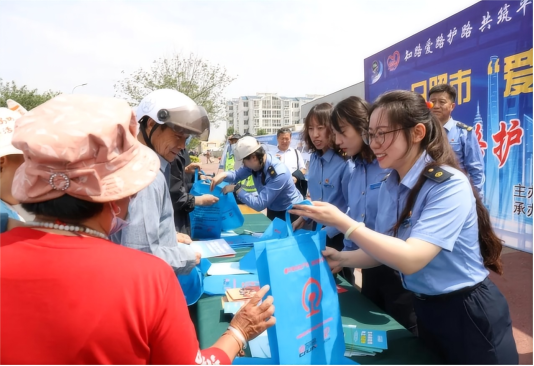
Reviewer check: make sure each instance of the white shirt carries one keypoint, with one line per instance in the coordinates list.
(291, 159)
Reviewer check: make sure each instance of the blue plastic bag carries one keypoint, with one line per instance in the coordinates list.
(308, 326)
(193, 283)
(207, 222)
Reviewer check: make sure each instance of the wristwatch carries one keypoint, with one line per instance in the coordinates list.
(237, 187)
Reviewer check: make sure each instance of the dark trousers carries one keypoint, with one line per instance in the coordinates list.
(383, 286)
(337, 243)
(271, 214)
(468, 328)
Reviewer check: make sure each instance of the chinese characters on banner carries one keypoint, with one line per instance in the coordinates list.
(486, 53)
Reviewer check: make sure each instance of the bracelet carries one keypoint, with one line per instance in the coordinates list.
(239, 335)
(241, 352)
(353, 228)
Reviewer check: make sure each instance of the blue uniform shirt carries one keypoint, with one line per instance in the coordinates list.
(444, 214)
(324, 178)
(465, 145)
(277, 194)
(325, 175)
(362, 188)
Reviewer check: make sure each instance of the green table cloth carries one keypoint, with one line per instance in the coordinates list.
(403, 348)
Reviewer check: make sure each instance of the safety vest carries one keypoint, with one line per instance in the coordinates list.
(246, 184)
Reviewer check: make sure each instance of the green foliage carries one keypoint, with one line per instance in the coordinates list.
(196, 78)
(193, 144)
(261, 132)
(229, 131)
(194, 159)
(28, 98)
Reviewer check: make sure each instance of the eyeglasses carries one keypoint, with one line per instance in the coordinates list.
(379, 136)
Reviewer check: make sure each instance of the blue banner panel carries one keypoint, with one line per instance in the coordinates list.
(485, 52)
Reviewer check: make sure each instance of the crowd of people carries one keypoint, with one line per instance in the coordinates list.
(396, 185)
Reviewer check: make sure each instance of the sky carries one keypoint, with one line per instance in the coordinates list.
(289, 47)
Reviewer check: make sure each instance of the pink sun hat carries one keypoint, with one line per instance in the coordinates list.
(83, 146)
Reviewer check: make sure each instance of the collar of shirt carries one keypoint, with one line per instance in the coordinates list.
(412, 176)
(357, 160)
(283, 152)
(450, 124)
(328, 155)
(165, 168)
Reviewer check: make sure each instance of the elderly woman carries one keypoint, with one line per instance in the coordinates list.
(68, 294)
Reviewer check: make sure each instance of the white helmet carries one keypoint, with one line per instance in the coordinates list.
(176, 110)
(245, 146)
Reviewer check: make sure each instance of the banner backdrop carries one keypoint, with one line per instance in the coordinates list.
(485, 52)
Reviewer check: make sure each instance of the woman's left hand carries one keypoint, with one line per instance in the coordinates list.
(322, 212)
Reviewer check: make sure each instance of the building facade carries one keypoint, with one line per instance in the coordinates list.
(265, 111)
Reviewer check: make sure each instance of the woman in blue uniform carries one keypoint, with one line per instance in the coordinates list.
(382, 284)
(432, 228)
(327, 167)
(272, 179)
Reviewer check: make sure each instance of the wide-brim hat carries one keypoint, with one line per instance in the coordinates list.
(83, 146)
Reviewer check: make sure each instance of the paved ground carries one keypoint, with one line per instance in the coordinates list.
(515, 284)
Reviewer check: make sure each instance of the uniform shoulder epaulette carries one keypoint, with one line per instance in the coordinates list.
(464, 126)
(272, 172)
(437, 174)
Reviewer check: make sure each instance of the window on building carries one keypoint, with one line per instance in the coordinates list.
(296, 113)
(286, 104)
(245, 113)
(245, 122)
(256, 112)
(277, 123)
(286, 122)
(256, 122)
(296, 121)
(245, 104)
(286, 112)
(296, 105)
(266, 114)
(277, 114)
(231, 115)
(266, 103)
(231, 108)
(266, 123)
(277, 103)
(256, 104)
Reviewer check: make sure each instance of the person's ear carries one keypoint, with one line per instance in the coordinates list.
(150, 125)
(419, 132)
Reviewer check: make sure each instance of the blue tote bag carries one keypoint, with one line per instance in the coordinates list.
(207, 222)
(308, 326)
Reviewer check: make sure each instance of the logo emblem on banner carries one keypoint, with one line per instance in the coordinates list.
(393, 61)
(377, 68)
(311, 300)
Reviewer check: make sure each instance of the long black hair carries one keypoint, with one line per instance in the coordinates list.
(407, 109)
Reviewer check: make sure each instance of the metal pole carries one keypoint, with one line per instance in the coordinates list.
(84, 84)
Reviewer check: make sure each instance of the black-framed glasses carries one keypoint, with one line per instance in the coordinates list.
(379, 137)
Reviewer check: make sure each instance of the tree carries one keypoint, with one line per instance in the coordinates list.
(193, 143)
(196, 78)
(28, 98)
(261, 132)
(229, 131)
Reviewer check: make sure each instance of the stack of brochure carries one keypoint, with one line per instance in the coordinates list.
(236, 298)
(363, 342)
(213, 248)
